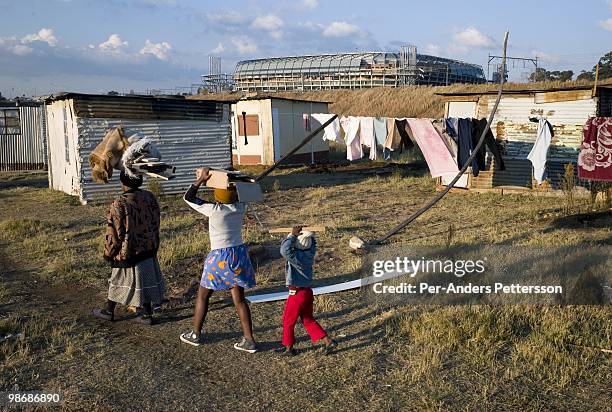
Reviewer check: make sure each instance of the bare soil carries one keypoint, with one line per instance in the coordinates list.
(389, 358)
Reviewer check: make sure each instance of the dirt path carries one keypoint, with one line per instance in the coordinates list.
(415, 358)
(124, 365)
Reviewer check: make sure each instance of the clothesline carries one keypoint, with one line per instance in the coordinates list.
(445, 143)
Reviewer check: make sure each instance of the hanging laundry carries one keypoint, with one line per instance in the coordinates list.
(464, 141)
(451, 127)
(406, 137)
(386, 153)
(366, 127)
(332, 131)
(306, 120)
(435, 152)
(595, 158)
(451, 144)
(539, 151)
(352, 138)
(380, 130)
(490, 143)
(394, 139)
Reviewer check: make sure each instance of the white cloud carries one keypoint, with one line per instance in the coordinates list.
(268, 22)
(44, 35)
(545, 57)
(159, 50)
(21, 50)
(432, 49)
(313, 4)
(113, 44)
(470, 38)
(605, 24)
(230, 17)
(159, 3)
(244, 45)
(14, 46)
(276, 35)
(219, 49)
(340, 29)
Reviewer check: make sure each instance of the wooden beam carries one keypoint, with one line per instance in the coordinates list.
(289, 229)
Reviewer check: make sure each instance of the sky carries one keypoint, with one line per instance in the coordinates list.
(48, 46)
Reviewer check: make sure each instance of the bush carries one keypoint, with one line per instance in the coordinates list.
(155, 187)
(568, 184)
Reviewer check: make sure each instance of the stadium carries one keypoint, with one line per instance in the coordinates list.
(353, 71)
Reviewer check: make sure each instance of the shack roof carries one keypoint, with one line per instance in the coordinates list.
(92, 96)
(526, 89)
(142, 107)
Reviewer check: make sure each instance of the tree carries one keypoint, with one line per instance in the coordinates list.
(605, 69)
(2, 97)
(543, 75)
(605, 66)
(584, 75)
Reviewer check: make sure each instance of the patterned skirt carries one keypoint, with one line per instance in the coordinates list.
(228, 267)
(137, 285)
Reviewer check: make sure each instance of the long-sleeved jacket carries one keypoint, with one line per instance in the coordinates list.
(299, 262)
(132, 231)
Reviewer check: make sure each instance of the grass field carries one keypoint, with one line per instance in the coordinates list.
(390, 357)
(405, 101)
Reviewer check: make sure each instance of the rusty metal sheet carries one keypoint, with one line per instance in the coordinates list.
(562, 96)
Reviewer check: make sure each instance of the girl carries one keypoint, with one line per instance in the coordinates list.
(227, 266)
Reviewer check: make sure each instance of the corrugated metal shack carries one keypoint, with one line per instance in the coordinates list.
(189, 134)
(566, 108)
(274, 126)
(22, 136)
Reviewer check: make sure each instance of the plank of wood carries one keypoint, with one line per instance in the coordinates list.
(288, 229)
(322, 290)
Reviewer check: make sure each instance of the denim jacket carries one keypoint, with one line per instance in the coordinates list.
(298, 266)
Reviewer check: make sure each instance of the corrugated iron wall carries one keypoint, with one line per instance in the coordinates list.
(27, 150)
(518, 134)
(186, 144)
(604, 102)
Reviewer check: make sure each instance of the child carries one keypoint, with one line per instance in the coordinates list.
(227, 266)
(299, 251)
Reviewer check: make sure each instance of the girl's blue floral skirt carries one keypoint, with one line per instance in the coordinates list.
(228, 267)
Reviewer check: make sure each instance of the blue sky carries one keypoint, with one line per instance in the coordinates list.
(96, 46)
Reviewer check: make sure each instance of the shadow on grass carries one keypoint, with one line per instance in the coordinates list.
(334, 177)
(9, 180)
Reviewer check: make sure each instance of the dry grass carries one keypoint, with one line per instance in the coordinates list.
(478, 357)
(407, 101)
(507, 354)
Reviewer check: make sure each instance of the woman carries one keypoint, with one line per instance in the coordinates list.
(227, 266)
(131, 243)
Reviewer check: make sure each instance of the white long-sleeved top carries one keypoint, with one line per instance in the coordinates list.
(224, 221)
(539, 151)
(332, 131)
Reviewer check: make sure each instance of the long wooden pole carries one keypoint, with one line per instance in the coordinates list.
(296, 148)
(468, 162)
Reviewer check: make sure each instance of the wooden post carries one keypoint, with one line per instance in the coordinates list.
(596, 78)
(246, 142)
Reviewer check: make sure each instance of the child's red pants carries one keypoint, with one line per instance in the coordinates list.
(300, 305)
